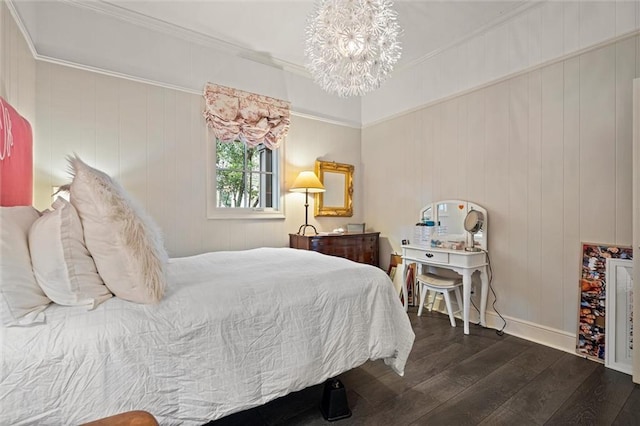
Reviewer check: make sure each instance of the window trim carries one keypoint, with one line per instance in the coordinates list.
(215, 212)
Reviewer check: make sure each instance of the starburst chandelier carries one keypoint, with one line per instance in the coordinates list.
(352, 45)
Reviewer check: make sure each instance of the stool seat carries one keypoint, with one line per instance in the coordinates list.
(442, 285)
(439, 281)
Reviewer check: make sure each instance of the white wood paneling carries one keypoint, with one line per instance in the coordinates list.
(597, 145)
(518, 43)
(449, 158)
(625, 72)
(17, 66)
(534, 32)
(496, 186)
(552, 19)
(545, 32)
(546, 152)
(422, 159)
(17, 71)
(571, 33)
(551, 213)
(497, 52)
(518, 190)
(626, 16)
(476, 157)
(154, 141)
(572, 251)
(107, 121)
(534, 198)
(597, 21)
(465, 148)
(476, 48)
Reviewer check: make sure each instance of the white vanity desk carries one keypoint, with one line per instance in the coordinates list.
(463, 262)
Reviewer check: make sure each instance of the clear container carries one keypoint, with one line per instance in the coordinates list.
(422, 234)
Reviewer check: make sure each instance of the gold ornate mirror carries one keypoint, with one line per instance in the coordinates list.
(338, 182)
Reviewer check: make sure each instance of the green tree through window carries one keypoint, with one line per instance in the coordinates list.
(245, 176)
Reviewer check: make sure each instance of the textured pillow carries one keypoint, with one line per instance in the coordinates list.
(61, 262)
(124, 242)
(21, 299)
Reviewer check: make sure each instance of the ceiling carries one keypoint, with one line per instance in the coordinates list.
(275, 29)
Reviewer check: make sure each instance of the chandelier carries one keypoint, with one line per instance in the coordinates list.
(352, 45)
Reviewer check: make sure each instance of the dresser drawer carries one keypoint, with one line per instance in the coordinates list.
(427, 255)
(359, 247)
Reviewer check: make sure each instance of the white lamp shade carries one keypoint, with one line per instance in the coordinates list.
(307, 181)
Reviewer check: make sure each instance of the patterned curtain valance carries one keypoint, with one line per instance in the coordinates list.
(236, 115)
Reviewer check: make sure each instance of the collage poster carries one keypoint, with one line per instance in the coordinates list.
(591, 322)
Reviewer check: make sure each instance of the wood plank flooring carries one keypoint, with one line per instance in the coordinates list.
(479, 379)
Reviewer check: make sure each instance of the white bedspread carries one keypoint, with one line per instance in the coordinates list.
(235, 330)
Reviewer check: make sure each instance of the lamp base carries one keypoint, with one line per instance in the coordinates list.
(303, 229)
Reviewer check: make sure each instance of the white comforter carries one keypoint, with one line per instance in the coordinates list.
(235, 330)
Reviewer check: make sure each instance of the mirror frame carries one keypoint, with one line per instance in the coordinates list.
(346, 210)
(469, 205)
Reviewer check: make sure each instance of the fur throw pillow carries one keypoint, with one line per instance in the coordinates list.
(123, 240)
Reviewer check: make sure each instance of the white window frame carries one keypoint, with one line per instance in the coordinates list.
(215, 212)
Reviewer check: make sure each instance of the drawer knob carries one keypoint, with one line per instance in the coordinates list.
(429, 255)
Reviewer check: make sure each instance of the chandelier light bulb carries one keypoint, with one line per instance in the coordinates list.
(352, 45)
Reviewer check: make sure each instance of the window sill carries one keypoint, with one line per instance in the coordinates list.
(244, 214)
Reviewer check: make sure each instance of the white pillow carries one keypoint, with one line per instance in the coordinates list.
(124, 242)
(21, 299)
(61, 262)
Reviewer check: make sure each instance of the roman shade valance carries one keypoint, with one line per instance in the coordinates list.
(236, 115)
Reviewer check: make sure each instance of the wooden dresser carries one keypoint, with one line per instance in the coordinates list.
(360, 247)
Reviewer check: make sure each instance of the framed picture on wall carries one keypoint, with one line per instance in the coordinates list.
(593, 286)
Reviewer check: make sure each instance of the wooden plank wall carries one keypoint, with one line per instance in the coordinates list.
(540, 32)
(548, 153)
(17, 67)
(154, 141)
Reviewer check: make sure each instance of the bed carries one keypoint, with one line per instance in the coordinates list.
(234, 330)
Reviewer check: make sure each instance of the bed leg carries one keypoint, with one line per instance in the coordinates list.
(334, 404)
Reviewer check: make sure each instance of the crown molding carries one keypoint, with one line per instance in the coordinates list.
(311, 115)
(168, 28)
(186, 34)
(509, 76)
(43, 58)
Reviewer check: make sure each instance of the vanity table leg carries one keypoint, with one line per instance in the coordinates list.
(405, 300)
(466, 296)
(484, 296)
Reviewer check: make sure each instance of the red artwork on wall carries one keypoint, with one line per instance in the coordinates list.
(16, 158)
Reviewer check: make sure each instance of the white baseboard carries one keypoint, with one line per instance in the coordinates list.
(527, 330)
(554, 338)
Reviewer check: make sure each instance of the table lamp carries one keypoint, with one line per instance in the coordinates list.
(307, 182)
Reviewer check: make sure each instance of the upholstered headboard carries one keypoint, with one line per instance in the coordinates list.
(16, 158)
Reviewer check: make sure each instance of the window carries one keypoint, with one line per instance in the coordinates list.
(243, 161)
(245, 182)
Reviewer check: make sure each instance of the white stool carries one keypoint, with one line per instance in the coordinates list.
(443, 285)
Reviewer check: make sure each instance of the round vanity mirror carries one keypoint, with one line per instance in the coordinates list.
(473, 223)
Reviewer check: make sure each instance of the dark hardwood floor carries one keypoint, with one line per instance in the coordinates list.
(479, 379)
